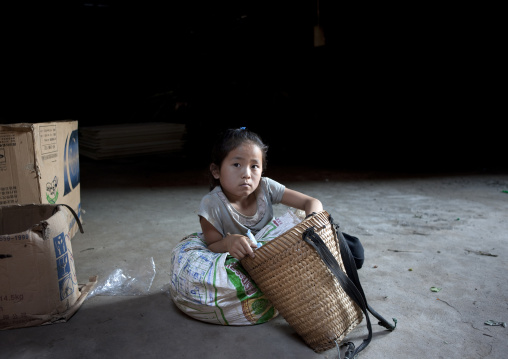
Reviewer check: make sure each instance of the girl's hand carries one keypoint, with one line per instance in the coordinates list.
(239, 246)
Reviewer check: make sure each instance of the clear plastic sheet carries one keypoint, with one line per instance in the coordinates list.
(135, 279)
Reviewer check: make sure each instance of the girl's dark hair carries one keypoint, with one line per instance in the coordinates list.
(227, 141)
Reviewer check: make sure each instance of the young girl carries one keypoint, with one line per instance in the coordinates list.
(240, 198)
(208, 282)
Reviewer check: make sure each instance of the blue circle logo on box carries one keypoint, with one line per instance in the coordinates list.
(71, 162)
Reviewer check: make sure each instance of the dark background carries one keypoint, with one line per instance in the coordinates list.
(395, 87)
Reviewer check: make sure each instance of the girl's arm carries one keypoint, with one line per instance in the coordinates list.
(237, 245)
(301, 201)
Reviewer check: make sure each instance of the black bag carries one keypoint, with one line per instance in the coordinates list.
(356, 248)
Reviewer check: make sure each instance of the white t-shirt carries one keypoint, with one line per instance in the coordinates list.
(217, 210)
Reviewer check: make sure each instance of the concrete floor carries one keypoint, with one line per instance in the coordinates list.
(419, 231)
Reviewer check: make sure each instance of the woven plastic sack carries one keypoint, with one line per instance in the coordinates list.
(212, 287)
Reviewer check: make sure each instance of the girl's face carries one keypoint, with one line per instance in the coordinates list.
(241, 170)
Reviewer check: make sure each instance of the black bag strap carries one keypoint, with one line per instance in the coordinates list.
(350, 282)
(350, 267)
(76, 217)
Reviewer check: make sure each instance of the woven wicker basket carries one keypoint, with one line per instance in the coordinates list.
(302, 288)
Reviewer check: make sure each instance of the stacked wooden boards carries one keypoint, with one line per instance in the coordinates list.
(123, 140)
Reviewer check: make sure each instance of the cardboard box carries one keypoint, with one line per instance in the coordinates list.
(39, 164)
(38, 283)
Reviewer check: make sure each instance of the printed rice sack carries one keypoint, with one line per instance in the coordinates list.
(214, 287)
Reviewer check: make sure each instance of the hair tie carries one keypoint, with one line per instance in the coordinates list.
(242, 128)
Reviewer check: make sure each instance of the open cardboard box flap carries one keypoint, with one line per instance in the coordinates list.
(38, 283)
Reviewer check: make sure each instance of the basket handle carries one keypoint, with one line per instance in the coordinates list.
(351, 286)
